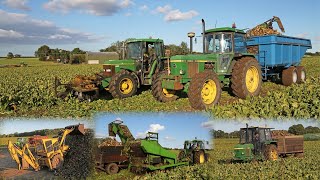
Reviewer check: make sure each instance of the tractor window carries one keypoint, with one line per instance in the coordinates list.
(243, 136)
(219, 43)
(158, 49)
(268, 134)
(239, 43)
(134, 50)
(262, 135)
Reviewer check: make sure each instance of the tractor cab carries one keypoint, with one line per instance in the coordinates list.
(144, 52)
(194, 144)
(254, 142)
(224, 40)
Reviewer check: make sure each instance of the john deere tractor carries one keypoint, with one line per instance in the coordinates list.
(256, 143)
(224, 62)
(195, 151)
(143, 58)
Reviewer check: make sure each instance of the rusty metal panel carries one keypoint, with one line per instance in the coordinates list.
(193, 68)
(290, 144)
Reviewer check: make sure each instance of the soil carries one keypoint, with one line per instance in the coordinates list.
(9, 169)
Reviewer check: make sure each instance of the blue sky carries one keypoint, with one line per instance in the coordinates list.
(12, 125)
(93, 25)
(173, 128)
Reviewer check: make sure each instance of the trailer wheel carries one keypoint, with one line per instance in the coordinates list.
(199, 157)
(299, 155)
(301, 72)
(246, 78)
(289, 76)
(112, 168)
(271, 153)
(204, 90)
(123, 85)
(159, 93)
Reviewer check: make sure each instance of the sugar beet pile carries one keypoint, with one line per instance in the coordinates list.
(79, 160)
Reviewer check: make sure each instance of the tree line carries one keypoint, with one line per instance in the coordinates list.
(297, 129)
(42, 132)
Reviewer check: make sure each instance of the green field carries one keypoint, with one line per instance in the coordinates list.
(31, 88)
(286, 168)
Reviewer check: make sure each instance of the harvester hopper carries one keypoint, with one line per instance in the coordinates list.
(76, 129)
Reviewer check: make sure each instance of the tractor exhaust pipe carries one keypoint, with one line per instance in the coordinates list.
(191, 36)
(203, 33)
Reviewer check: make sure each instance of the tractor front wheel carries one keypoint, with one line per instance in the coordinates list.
(289, 76)
(301, 73)
(57, 162)
(204, 90)
(199, 157)
(123, 85)
(271, 153)
(159, 93)
(246, 79)
(112, 168)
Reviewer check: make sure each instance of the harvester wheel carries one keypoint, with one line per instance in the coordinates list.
(112, 168)
(204, 90)
(57, 162)
(246, 79)
(199, 157)
(159, 93)
(301, 72)
(123, 85)
(271, 153)
(289, 76)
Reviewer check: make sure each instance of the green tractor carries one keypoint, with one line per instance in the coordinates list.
(225, 62)
(195, 151)
(256, 143)
(21, 141)
(143, 58)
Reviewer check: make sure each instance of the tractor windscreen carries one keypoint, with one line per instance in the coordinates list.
(218, 43)
(134, 50)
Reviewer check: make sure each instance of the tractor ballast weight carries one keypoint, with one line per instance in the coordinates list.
(121, 78)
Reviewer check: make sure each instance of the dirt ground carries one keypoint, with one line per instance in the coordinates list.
(9, 169)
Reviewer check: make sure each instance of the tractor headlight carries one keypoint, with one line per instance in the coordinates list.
(181, 71)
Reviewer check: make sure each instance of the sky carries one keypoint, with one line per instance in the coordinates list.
(173, 128)
(9, 126)
(25, 25)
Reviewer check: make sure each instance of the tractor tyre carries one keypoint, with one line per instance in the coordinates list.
(289, 76)
(112, 168)
(159, 93)
(123, 85)
(302, 75)
(57, 162)
(246, 77)
(199, 157)
(271, 153)
(181, 155)
(204, 90)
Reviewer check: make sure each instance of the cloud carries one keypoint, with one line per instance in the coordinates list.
(128, 14)
(208, 124)
(317, 38)
(17, 4)
(10, 33)
(168, 138)
(96, 7)
(144, 8)
(303, 35)
(152, 128)
(176, 14)
(21, 29)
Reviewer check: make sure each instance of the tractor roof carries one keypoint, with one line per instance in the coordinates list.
(225, 29)
(144, 40)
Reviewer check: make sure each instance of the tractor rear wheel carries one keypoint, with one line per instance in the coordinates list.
(123, 85)
(56, 162)
(159, 93)
(301, 72)
(246, 79)
(271, 153)
(199, 157)
(112, 168)
(289, 76)
(204, 90)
